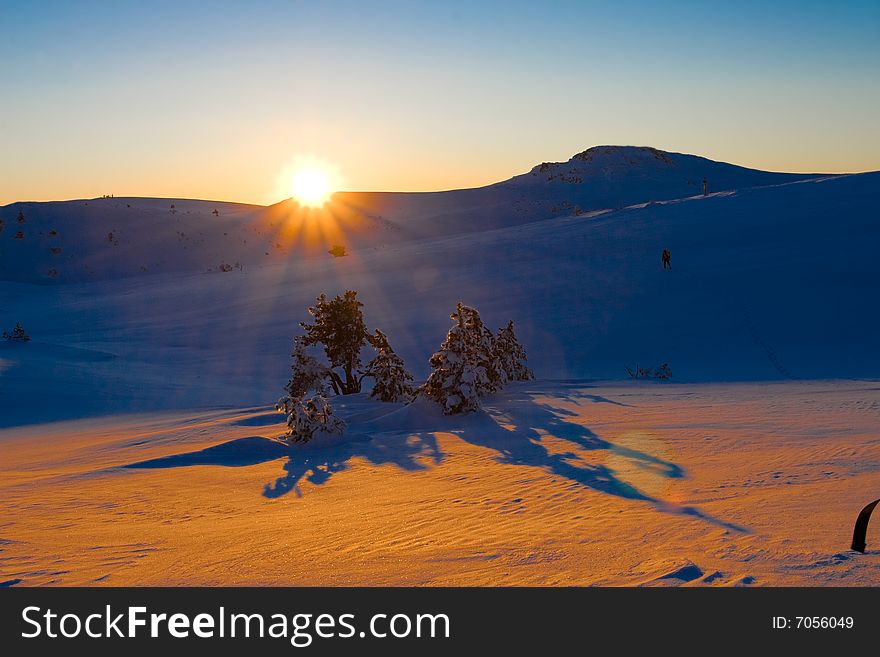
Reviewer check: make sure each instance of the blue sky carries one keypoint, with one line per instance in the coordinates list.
(215, 99)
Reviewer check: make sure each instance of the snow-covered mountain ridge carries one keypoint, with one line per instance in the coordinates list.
(96, 239)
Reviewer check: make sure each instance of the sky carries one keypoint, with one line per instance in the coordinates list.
(219, 100)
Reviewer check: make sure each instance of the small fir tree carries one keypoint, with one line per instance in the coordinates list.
(306, 373)
(663, 373)
(482, 343)
(18, 334)
(391, 380)
(511, 356)
(308, 418)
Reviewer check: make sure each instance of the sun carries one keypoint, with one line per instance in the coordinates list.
(311, 186)
(310, 181)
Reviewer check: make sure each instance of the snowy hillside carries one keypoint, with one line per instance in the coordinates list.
(106, 238)
(767, 282)
(99, 239)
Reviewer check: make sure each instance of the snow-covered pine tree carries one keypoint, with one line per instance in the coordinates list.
(391, 380)
(308, 418)
(511, 356)
(464, 369)
(339, 327)
(307, 375)
(483, 352)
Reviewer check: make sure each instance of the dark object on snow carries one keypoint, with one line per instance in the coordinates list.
(662, 373)
(666, 258)
(18, 334)
(337, 251)
(861, 528)
(705, 188)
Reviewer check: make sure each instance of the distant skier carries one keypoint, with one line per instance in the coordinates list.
(667, 259)
(705, 188)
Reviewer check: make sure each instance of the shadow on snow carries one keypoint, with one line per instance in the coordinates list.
(512, 425)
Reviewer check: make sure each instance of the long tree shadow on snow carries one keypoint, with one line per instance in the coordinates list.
(513, 425)
(317, 464)
(530, 418)
(521, 445)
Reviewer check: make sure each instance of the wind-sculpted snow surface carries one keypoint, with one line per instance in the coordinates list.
(550, 484)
